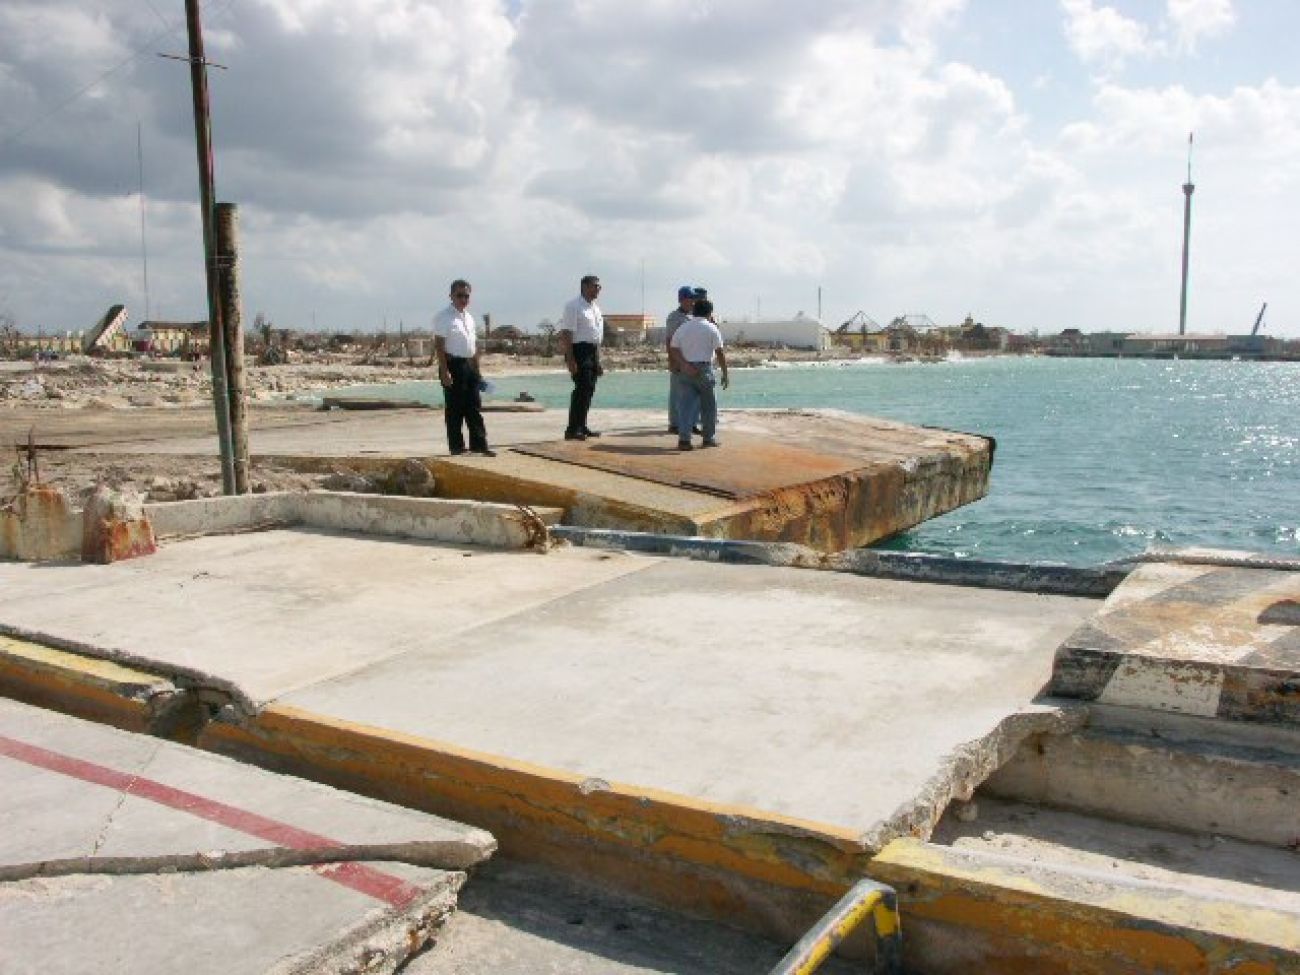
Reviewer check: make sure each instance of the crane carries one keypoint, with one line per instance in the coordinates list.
(1259, 319)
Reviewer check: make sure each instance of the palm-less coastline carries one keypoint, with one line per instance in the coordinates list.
(1097, 459)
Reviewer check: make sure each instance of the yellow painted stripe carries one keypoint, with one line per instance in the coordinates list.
(86, 687)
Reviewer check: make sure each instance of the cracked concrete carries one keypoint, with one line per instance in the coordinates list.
(146, 848)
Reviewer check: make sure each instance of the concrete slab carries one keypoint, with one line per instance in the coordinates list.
(749, 466)
(885, 477)
(1192, 638)
(804, 694)
(258, 615)
(150, 851)
(809, 695)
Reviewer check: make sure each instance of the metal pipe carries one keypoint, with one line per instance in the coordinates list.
(866, 900)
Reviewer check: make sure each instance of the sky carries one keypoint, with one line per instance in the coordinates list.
(1017, 160)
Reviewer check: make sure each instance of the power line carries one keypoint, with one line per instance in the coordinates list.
(139, 52)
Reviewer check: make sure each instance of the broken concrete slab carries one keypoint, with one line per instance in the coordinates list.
(1192, 638)
(792, 710)
(145, 848)
(890, 476)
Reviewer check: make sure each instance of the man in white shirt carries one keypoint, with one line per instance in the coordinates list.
(582, 328)
(693, 347)
(685, 305)
(456, 343)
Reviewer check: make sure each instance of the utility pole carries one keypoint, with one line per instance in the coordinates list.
(207, 178)
(1188, 188)
(232, 331)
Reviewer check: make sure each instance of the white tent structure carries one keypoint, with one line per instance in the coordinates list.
(800, 332)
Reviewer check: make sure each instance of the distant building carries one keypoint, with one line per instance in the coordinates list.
(800, 332)
(629, 329)
(1208, 346)
(173, 338)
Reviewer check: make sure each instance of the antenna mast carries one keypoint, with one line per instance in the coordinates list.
(144, 247)
(1188, 189)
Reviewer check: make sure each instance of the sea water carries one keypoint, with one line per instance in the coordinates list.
(1096, 459)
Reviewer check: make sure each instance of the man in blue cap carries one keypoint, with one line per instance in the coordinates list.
(685, 302)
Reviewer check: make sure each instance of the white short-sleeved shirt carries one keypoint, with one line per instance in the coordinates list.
(583, 319)
(456, 329)
(698, 339)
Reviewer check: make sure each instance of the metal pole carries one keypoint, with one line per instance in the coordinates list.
(232, 325)
(144, 248)
(1188, 188)
(216, 340)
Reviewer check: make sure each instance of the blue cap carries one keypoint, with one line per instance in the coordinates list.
(684, 292)
(698, 293)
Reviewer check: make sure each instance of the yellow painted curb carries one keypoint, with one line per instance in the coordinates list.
(86, 687)
(1026, 917)
(737, 863)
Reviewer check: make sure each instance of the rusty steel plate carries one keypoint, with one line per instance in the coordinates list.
(743, 467)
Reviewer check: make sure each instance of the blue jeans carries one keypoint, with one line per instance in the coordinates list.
(695, 397)
(674, 391)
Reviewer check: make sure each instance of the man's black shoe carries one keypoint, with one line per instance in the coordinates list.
(592, 433)
(684, 445)
(486, 452)
(574, 436)
(457, 453)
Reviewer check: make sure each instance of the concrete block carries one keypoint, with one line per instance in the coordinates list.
(114, 527)
(1191, 638)
(233, 513)
(432, 519)
(39, 525)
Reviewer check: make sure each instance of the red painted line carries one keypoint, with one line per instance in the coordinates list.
(366, 880)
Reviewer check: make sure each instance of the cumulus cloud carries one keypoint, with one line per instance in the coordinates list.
(1192, 20)
(1101, 35)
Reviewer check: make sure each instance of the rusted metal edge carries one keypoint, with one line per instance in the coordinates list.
(1041, 578)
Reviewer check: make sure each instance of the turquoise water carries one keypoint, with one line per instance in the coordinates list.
(1096, 458)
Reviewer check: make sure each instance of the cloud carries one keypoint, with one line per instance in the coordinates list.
(378, 148)
(1192, 20)
(1102, 35)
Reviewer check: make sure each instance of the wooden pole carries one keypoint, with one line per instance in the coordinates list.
(203, 142)
(232, 327)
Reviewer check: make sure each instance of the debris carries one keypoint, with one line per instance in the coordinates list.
(966, 812)
(410, 478)
(346, 480)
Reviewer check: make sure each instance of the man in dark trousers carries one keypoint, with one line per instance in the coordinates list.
(456, 342)
(582, 329)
